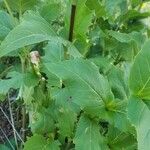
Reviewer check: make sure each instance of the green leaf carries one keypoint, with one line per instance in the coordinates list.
(83, 18)
(139, 115)
(12, 82)
(139, 81)
(121, 37)
(103, 63)
(27, 79)
(41, 122)
(97, 6)
(22, 5)
(50, 11)
(32, 27)
(3, 147)
(127, 44)
(84, 87)
(26, 93)
(118, 140)
(133, 14)
(136, 2)
(118, 83)
(66, 122)
(54, 52)
(38, 142)
(136, 37)
(88, 136)
(6, 24)
(115, 8)
(112, 112)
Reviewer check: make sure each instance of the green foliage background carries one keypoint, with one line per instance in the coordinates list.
(89, 94)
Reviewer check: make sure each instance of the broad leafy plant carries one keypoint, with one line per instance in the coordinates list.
(81, 69)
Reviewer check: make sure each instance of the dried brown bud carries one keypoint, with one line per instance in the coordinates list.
(35, 57)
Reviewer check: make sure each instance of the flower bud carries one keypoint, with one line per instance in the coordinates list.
(35, 57)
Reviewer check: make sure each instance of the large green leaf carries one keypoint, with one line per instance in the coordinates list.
(38, 142)
(82, 81)
(84, 86)
(32, 27)
(139, 114)
(88, 136)
(140, 73)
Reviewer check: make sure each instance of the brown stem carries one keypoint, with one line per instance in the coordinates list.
(72, 20)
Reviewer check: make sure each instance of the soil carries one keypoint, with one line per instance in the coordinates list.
(5, 125)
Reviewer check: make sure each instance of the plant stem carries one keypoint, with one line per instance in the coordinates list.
(72, 20)
(12, 121)
(22, 58)
(9, 11)
(5, 72)
(23, 122)
(20, 10)
(7, 139)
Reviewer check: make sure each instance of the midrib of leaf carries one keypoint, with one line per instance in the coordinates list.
(139, 93)
(87, 84)
(117, 138)
(47, 37)
(117, 111)
(26, 37)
